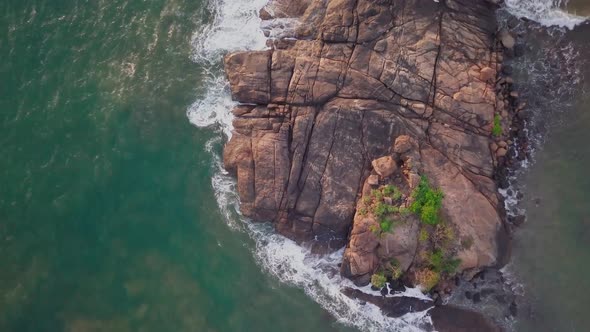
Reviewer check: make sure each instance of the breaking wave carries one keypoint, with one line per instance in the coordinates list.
(545, 12)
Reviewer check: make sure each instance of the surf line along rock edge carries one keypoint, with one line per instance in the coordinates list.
(373, 124)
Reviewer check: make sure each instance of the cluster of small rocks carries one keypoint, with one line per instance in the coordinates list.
(511, 147)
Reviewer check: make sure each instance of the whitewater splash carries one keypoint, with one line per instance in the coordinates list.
(236, 26)
(545, 12)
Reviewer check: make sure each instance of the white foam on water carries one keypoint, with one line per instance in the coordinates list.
(545, 12)
(236, 26)
(214, 108)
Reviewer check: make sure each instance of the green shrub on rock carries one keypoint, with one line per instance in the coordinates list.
(378, 280)
(427, 278)
(497, 128)
(394, 269)
(427, 202)
(386, 225)
(392, 191)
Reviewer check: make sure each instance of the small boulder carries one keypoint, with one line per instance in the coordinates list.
(380, 46)
(419, 108)
(501, 152)
(487, 74)
(384, 166)
(507, 39)
(493, 146)
(413, 180)
(362, 281)
(403, 144)
(373, 180)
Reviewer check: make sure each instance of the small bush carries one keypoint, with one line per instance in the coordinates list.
(382, 209)
(427, 279)
(377, 195)
(427, 202)
(394, 269)
(393, 192)
(450, 266)
(386, 225)
(378, 280)
(439, 263)
(366, 200)
(497, 129)
(423, 237)
(404, 211)
(436, 260)
(363, 211)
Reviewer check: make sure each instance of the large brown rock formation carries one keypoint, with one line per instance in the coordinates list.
(338, 92)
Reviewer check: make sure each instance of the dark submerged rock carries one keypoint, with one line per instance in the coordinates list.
(453, 319)
(391, 306)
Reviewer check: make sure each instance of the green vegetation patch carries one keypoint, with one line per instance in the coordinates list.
(386, 225)
(393, 269)
(427, 278)
(427, 202)
(378, 280)
(497, 129)
(439, 263)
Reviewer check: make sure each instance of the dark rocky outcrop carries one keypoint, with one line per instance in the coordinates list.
(444, 318)
(362, 93)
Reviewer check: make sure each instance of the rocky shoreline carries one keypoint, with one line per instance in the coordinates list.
(385, 126)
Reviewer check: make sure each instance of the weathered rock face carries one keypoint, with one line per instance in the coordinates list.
(355, 75)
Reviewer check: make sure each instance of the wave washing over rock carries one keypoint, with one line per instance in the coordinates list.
(545, 12)
(353, 73)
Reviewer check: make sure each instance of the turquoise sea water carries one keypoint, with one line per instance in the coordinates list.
(108, 220)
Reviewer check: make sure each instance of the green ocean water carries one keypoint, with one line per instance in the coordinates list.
(108, 220)
(552, 249)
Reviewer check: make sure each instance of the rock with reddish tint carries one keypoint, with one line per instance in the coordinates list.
(384, 166)
(354, 81)
(487, 74)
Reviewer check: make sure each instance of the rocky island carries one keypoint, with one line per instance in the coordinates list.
(381, 126)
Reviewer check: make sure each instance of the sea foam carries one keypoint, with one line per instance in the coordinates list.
(236, 26)
(545, 12)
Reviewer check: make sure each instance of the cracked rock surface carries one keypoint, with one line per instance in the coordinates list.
(335, 92)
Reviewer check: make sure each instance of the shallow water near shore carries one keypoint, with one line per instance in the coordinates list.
(552, 249)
